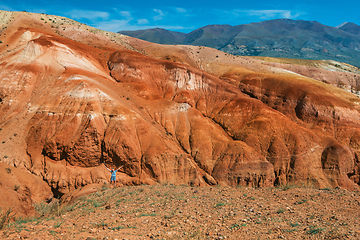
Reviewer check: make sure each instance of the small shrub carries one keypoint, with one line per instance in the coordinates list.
(294, 224)
(117, 228)
(301, 201)
(104, 187)
(8, 170)
(171, 215)
(147, 215)
(287, 187)
(280, 210)
(101, 224)
(58, 224)
(16, 187)
(314, 230)
(44, 208)
(97, 204)
(5, 218)
(20, 221)
(119, 201)
(237, 225)
(220, 204)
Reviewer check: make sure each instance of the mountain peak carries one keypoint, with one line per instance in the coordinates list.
(275, 38)
(341, 25)
(350, 28)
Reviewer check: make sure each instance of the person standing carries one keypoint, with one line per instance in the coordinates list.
(113, 174)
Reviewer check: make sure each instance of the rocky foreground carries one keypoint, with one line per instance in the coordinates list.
(183, 212)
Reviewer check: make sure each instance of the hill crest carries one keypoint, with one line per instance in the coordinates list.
(278, 38)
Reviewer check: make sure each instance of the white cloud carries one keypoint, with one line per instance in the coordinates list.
(268, 14)
(87, 14)
(160, 15)
(113, 25)
(181, 10)
(130, 20)
(142, 21)
(124, 25)
(126, 14)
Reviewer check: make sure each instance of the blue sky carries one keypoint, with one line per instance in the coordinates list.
(186, 15)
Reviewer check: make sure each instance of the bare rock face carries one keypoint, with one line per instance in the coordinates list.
(258, 134)
(21, 191)
(337, 163)
(67, 108)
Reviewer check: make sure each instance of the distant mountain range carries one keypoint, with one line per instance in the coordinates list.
(274, 38)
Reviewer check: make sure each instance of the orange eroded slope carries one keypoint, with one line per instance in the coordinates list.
(177, 114)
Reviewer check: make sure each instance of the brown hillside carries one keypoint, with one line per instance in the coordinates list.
(73, 98)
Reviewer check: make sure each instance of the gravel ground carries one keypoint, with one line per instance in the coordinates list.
(183, 212)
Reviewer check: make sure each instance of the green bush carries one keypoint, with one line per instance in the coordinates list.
(280, 210)
(314, 230)
(5, 218)
(44, 208)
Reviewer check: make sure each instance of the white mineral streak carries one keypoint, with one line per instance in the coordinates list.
(188, 80)
(183, 107)
(82, 93)
(30, 53)
(67, 58)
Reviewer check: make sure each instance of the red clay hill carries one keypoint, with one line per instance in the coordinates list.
(73, 97)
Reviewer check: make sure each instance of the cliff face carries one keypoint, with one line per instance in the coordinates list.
(68, 107)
